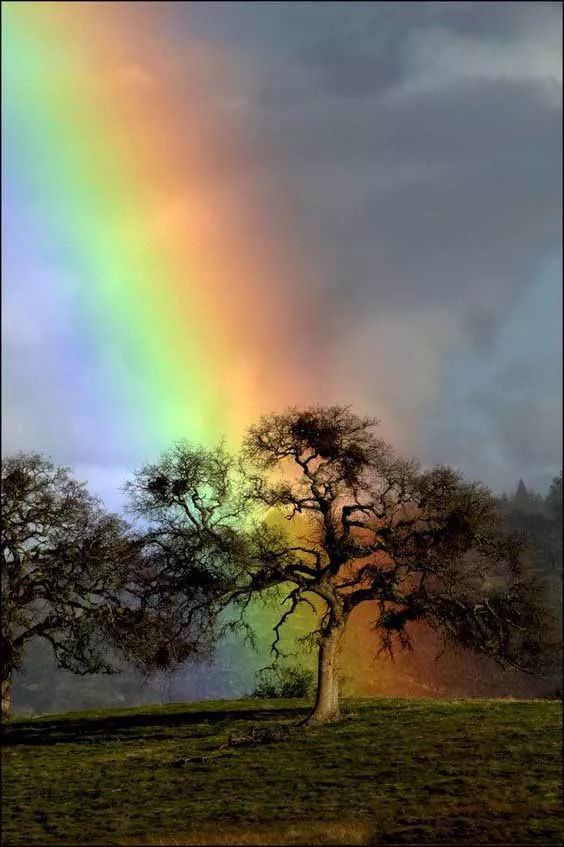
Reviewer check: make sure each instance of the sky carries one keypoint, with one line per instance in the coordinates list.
(215, 210)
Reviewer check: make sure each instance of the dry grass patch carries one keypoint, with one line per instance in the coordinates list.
(297, 833)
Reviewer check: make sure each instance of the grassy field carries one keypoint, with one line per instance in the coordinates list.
(392, 772)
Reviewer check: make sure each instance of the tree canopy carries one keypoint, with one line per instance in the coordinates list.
(64, 562)
(362, 525)
(74, 576)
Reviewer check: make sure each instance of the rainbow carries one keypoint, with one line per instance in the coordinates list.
(123, 165)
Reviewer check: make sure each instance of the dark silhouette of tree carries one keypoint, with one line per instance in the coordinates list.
(540, 523)
(526, 501)
(74, 576)
(553, 501)
(521, 496)
(192, 545)
(63, 566)
(363, 526)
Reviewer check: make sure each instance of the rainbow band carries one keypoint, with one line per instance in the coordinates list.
(171, 274)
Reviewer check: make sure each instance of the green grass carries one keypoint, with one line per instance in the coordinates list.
(392, 772)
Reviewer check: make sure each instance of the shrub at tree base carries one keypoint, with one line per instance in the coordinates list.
(285, 682)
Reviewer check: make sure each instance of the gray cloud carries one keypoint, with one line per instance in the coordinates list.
(415, 152)
(418, 147)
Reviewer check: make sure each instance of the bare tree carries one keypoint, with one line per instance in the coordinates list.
(63, 564)
(417, 545)
(192, 544)
(74, 576)
(364, 526)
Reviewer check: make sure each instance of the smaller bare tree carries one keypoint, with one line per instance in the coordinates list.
(191, 544)
(76, 577)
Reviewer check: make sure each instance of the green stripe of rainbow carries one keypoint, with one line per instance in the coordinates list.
(183, 284)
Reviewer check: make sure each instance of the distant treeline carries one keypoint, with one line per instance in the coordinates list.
(540, 518)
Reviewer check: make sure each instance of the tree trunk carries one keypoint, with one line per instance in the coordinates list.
(326, 707)
(6, 697)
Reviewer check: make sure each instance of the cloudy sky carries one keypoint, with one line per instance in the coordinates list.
(416, 151)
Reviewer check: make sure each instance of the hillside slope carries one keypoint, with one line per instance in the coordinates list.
(392, 772)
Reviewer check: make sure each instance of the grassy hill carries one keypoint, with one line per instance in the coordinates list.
(242, 772)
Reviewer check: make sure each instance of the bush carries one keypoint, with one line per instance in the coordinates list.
(285, 682)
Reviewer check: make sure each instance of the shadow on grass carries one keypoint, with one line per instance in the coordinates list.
(128, 727)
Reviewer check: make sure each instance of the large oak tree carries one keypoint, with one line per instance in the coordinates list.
(364, 526)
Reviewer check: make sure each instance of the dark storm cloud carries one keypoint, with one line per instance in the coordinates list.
(451, 188)
(418, 147)
(432, 190)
